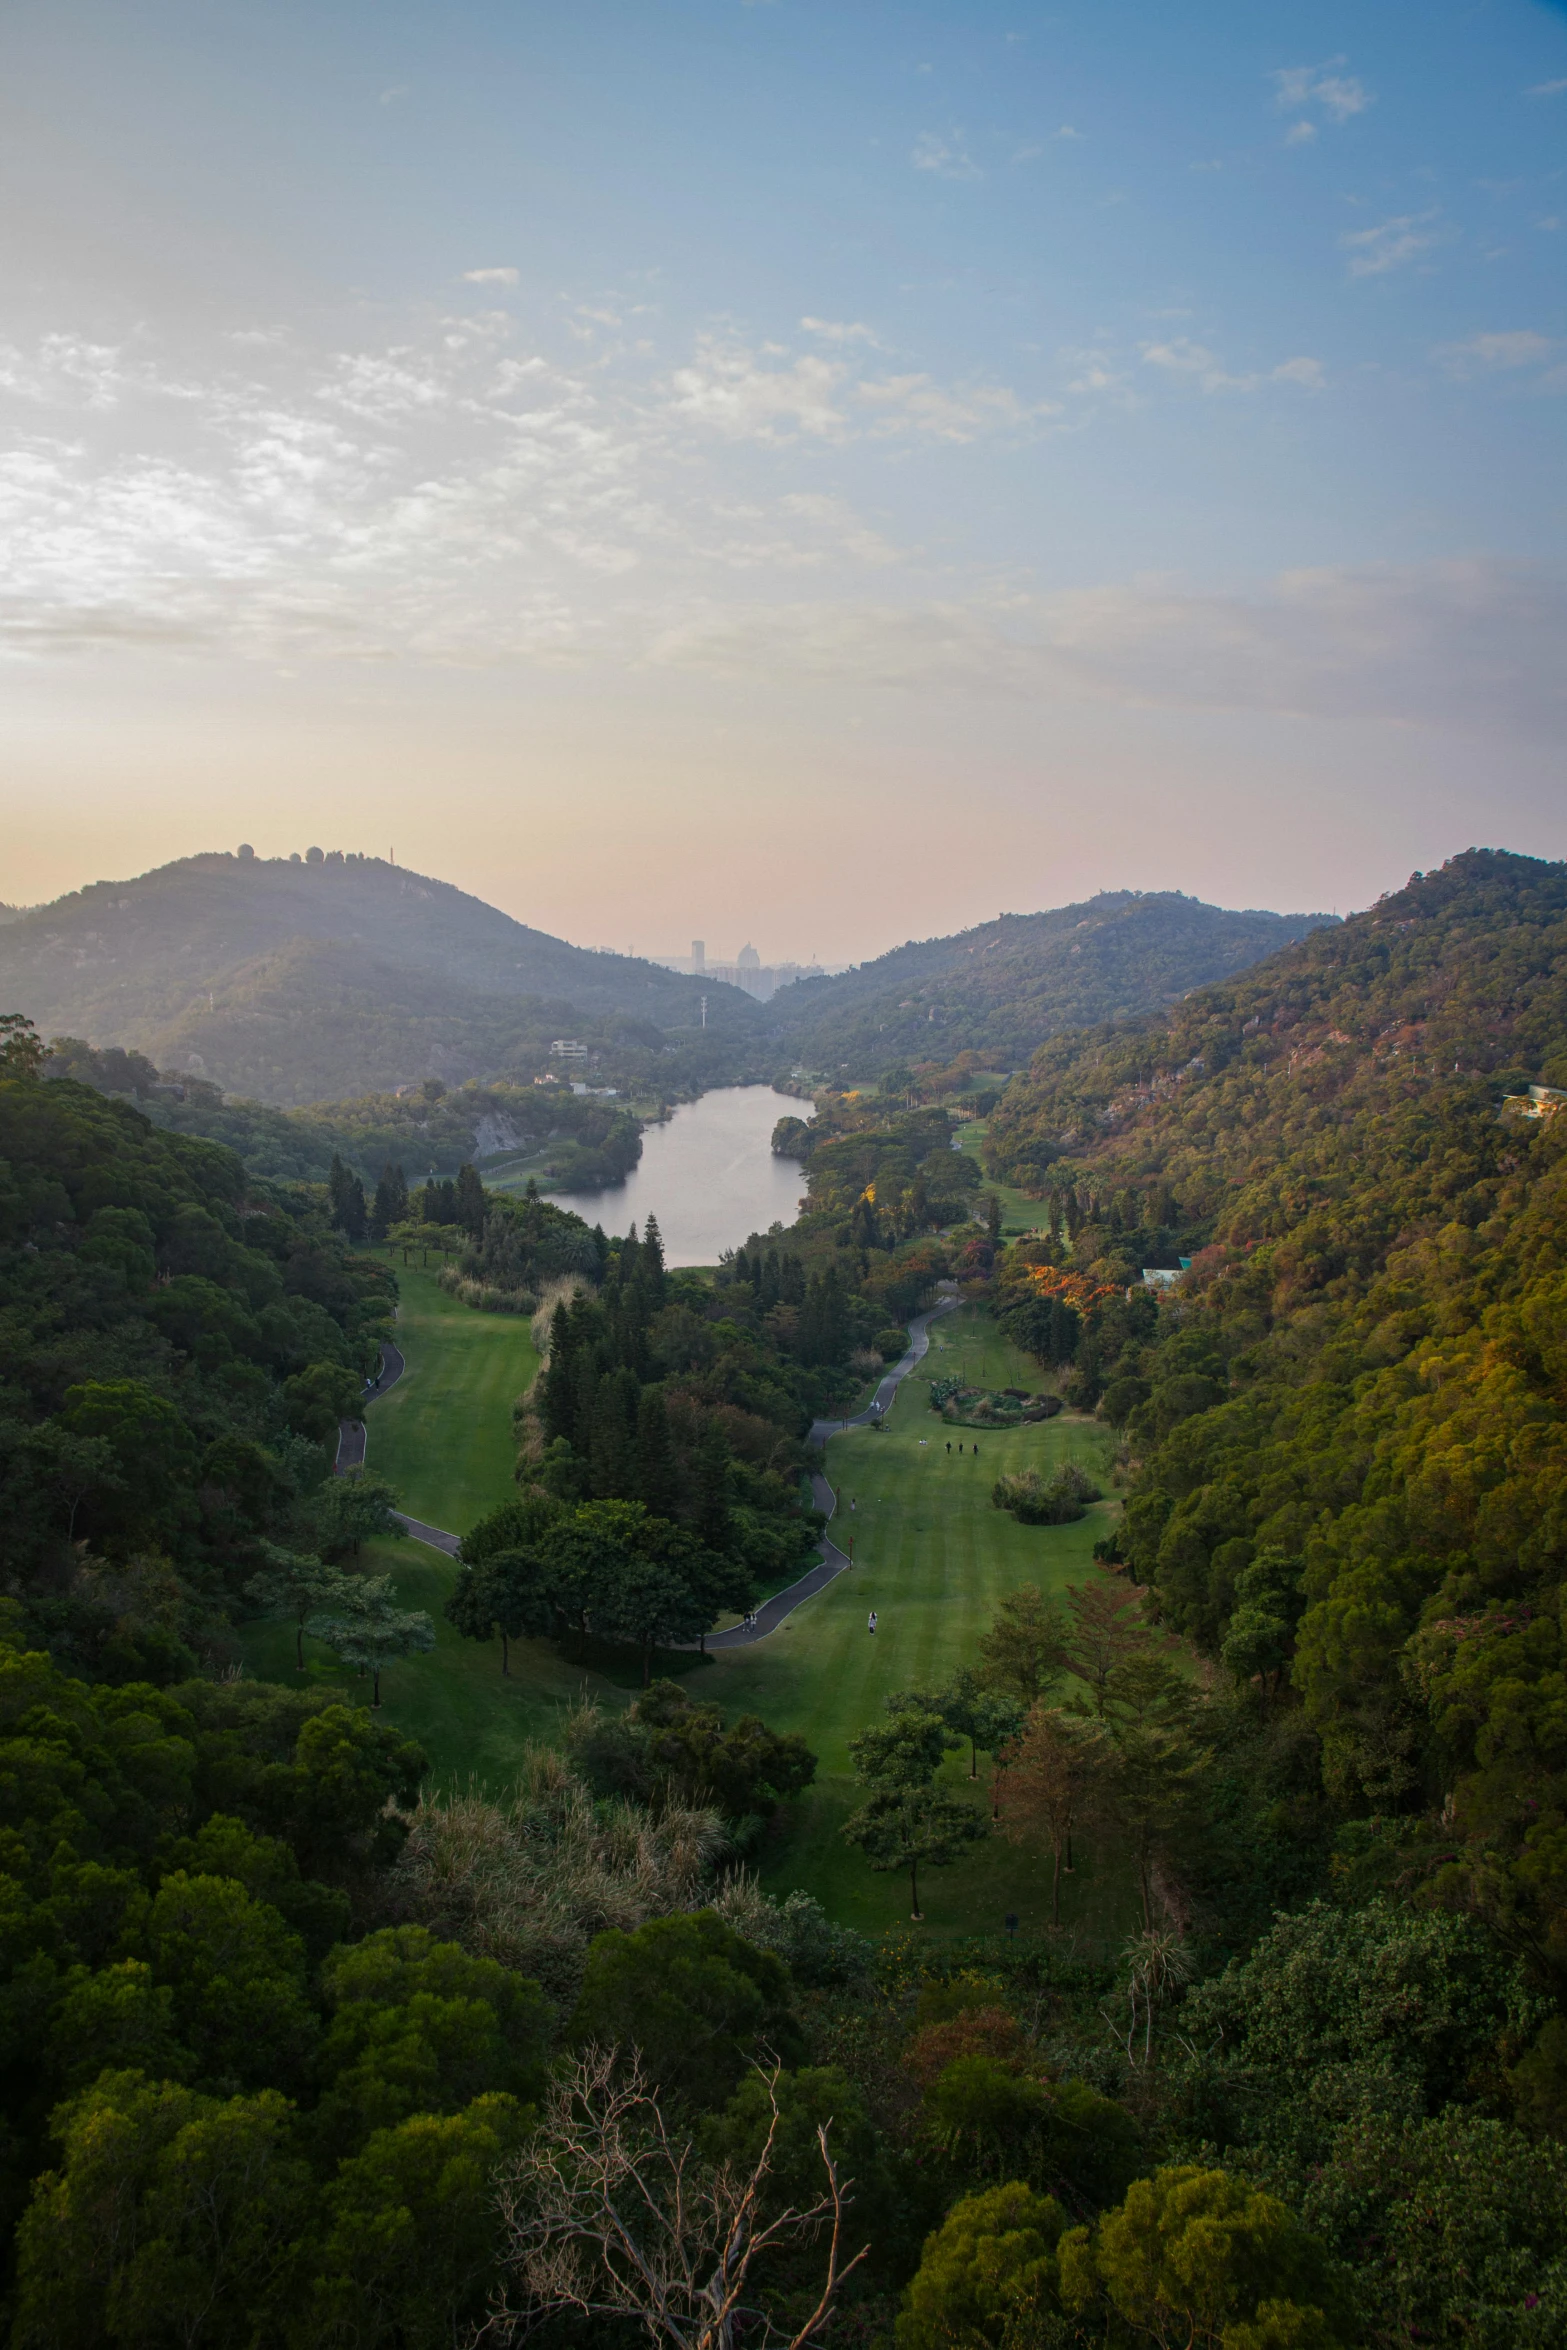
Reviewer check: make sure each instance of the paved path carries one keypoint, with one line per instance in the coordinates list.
(352, 1439)
(881, 1401)
(773, 1611)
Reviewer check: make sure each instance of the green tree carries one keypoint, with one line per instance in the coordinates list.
(988, 2273)
(697, 2001)
(347, 1511)
(373, 1632)
(506, 1594)
(1025, 1648)
(470, 1202)
(1159, 1762)
(347, 1196)
(987, 1717)
(409, 2253)
(1199, 2257)
(796, 2107)
(907, 1820)
(657, 1471)
(117, 2020)
(391, 1202)
(319, 1397)
(236, 1974)
(301, 1587)
(21, 1047)
(171, 2218)
(153, 1455)
(417, 2026)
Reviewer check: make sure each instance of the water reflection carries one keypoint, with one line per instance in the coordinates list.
(709, 1175)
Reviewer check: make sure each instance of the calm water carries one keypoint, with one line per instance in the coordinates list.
(708, 1175)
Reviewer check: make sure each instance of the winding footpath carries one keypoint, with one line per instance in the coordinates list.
(353, 1437)
(353, 1440)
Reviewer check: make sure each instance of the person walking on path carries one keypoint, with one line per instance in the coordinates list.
(871, 1621)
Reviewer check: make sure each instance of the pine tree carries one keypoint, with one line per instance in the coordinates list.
(612, 1442)
(391, 1202)
(558, 1388)
(710, 1488)
(657, 1472)
(653, 1262)
(347, 1196)
(470, 1202)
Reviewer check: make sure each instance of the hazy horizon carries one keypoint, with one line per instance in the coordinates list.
(856, 470)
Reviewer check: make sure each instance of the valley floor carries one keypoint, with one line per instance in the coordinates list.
(931, 1556)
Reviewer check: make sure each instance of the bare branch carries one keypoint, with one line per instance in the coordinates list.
(608, 2213)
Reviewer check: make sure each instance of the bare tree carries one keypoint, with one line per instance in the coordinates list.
(609, 2212)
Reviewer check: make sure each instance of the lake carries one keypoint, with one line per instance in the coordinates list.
(708, 1175)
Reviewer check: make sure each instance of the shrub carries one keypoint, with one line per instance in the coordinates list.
(1035, 1502)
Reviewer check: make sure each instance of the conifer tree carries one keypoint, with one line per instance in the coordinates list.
(657, 1472)
(710, 1488)
(653, 1262)
(470, 1201)
(612, 1439)
(391, 1201)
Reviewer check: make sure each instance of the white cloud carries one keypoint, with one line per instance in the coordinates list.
(945, 155)
(1339, 96)
(489, 277)
(728, 389)
(1300, 134)
(1469, 645)
(833, 330)
(917, 404)
(1547, 89)
(1066, 132)
(1486, 354)
(1182, 357)
(1374, 251)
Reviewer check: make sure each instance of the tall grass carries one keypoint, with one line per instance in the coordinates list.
(530, 1880)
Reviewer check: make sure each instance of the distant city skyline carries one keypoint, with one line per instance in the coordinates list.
(882, 464)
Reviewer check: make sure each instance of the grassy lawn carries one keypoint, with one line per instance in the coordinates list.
(933, 1558)
(443, 1436)
(471, 1723)
(1019, 1213)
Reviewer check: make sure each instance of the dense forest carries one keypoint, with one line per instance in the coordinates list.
(1002, 988)
(301, 2050)
(326, 976)
(579, 1142)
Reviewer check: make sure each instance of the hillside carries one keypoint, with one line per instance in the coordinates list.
(297, 982)
(1347, 1423)
(1003, 988)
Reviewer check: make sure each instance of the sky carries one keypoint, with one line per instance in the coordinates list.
(818, 472)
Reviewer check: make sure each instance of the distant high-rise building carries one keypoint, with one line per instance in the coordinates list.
(748, 959)
(698, 957)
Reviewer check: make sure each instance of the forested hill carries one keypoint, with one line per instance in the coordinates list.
(302, 981)
(1003, 988)
(1457, 983)
(1347, 1422)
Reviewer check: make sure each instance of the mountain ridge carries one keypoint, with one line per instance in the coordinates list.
(198, 963)
(1003, 987)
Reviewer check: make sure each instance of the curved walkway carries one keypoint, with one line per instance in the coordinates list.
(353, 1438)
(881, 1401)
(773, 1611)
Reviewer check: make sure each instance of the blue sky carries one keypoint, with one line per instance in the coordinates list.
(813, 472)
